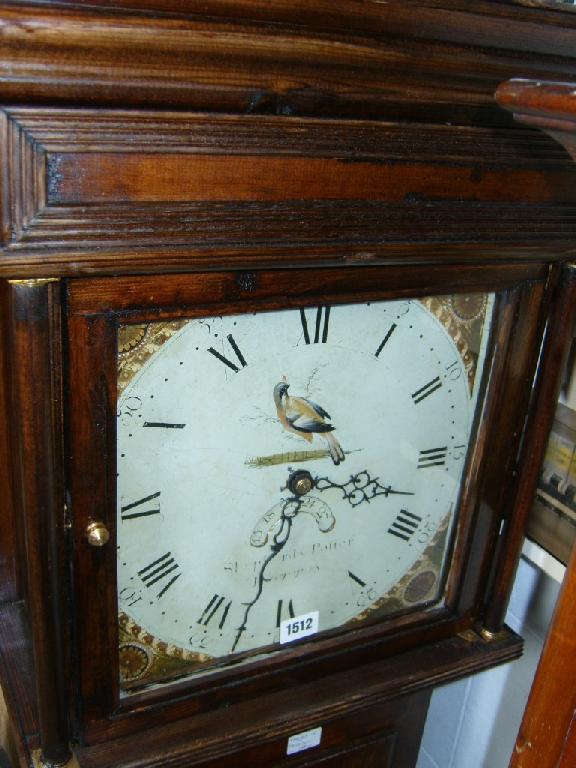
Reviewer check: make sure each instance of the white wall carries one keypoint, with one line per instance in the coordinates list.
(474, 723)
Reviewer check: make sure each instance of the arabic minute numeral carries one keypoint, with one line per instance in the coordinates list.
(130, 406)
(453, 371)
(129, 596)
(425, 532)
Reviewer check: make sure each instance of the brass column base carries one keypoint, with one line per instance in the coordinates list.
(37, 762)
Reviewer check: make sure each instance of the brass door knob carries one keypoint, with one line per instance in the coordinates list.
(97, 534)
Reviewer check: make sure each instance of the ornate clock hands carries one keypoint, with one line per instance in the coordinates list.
(359, 488)
(300, 483)
(315, 507)
(281, 516)
(278, 543)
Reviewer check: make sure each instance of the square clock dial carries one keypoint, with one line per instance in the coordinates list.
(287, 473)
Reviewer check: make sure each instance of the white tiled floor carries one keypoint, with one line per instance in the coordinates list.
(473, 723)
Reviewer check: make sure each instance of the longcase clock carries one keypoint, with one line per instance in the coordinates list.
(281, 334)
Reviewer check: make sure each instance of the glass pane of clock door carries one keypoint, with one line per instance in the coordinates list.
(285, 473)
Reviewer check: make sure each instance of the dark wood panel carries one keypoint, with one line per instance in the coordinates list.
(213, 291)
(165, 178)
(90, 435)
(12, 571)
(175, 743)
(344, 15)
(60, 130)
(504, 429)
(35, 341)
(549, 106)
(79, 185)
(91, 180)
(18, 680)
(493, 436)
(155, 236)
(115, 260)
(376, 754)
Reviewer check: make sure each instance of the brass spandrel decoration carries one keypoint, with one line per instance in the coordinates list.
(463, 316)
(138, 343)
(144, 658)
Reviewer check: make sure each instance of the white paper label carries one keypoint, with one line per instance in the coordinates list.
(305, 740)
(299, 626)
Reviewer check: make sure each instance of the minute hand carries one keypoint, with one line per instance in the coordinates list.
(359, 488)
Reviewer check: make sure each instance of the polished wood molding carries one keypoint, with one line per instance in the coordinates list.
(546, 105)
(257, 730)
(367, 59)
(35, 346)
(88, 191)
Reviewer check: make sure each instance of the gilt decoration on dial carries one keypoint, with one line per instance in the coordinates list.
(277, 464)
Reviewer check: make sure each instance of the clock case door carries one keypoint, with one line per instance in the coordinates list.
(95, 308)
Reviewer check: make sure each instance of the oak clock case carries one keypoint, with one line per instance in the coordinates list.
(286, 473)
(261, 455)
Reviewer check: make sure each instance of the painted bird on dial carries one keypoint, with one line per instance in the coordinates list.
(304, 418)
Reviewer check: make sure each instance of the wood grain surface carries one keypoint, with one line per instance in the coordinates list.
(91, 191)
(164, 158)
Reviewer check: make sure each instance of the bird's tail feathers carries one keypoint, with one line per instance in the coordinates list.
(334, 447)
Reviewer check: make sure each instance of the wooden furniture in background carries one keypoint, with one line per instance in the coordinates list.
(547, 738)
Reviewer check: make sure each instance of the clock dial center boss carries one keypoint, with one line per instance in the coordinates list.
(283, 464)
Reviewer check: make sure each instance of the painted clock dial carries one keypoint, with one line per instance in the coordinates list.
(278, 464)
